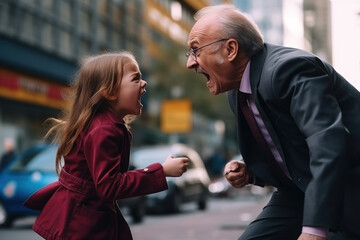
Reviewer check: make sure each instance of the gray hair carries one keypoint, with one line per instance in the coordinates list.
(235, 24)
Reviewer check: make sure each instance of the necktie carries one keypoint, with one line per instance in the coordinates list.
(250, 119)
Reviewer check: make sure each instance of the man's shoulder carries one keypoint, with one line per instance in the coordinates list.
(286, 52)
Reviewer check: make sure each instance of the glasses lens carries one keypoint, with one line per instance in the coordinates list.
(191, 53)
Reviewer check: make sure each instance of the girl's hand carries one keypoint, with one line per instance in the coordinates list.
(175, 167)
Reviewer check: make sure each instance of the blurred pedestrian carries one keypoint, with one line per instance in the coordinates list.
(9, 153)
(216, 164)
(94, 142)
(305, 137)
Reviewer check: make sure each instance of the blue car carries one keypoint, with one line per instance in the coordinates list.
(31, 170)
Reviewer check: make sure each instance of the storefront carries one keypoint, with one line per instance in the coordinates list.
(25, 103)
(33, 86)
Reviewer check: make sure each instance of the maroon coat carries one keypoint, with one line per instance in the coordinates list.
(81, 205)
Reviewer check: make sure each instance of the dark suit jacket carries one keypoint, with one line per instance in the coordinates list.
(313, 116)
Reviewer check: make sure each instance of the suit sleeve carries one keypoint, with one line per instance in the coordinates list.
(317, 114)
(105, 156)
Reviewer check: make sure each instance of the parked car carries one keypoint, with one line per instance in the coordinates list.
(192, 186)
(33, 169)
(135, 206)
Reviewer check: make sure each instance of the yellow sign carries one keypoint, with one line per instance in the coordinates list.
(176, 116)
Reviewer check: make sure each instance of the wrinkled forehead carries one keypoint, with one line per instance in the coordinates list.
(204, 29)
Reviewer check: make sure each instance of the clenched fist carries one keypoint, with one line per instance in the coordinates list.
(175, 167)
(236, 174)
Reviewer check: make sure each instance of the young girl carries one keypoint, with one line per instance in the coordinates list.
(94, 142)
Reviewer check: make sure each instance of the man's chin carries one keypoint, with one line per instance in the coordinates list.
(213, 91)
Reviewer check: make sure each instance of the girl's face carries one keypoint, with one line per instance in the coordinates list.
(127, 98)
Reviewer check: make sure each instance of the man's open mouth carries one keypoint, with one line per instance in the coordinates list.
(207, 76)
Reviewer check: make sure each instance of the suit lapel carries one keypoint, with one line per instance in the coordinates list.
(248, 146)
(256, 67)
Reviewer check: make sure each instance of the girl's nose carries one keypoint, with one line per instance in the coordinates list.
(143, 83)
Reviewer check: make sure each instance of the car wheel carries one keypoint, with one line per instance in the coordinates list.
(202, 204)
(175, 202)
(138, 212)
(5, 219)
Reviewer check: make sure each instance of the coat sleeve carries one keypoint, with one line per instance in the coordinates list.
(316, 112)
(106, 150)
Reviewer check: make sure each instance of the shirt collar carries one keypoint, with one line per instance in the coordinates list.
(245, 80)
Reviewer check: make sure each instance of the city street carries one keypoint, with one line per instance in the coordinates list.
(225, 219)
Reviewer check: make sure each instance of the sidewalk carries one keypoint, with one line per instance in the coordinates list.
(240, 218)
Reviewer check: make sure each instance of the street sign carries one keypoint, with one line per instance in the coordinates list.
(176, 116)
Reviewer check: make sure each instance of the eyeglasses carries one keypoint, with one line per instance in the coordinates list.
(192, 51)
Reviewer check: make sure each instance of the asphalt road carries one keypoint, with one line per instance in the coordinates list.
(224, 219)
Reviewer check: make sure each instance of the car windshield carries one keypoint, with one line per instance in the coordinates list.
(41, 160)
(144, 158)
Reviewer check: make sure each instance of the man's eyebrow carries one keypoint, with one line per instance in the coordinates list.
(192, 42)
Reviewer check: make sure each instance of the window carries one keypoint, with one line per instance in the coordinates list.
(47, 36)
(85, 21)
(65, 12)
(27, 28)
(65, 43)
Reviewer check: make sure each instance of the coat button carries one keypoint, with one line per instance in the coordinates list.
(146, 169)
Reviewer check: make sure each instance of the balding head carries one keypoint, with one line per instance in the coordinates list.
(225, 21)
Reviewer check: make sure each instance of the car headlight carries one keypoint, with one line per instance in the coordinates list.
(9, 189)
(216, 187)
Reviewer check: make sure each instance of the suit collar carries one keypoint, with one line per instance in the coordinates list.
(256, 69)
(256, 66)
(245, 80)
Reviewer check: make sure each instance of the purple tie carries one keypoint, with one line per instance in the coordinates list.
(250, 119)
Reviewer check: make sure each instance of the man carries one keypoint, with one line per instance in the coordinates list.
(9, 154)
(308, 115)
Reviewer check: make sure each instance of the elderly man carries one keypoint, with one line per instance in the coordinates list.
(298, 125)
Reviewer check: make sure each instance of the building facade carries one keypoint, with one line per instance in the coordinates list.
(42, 42)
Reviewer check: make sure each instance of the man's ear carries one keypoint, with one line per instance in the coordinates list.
(232, 48)
(107, 96)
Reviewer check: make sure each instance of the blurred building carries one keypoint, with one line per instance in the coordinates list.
(345, 19)
(267, 15)
(302, 24)
(42, 42)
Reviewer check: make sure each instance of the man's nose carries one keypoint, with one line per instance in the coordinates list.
(191, 63)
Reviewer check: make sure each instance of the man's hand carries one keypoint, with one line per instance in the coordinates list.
(306, 236)
(236, 174)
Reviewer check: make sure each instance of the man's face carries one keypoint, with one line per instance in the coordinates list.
(211, 59)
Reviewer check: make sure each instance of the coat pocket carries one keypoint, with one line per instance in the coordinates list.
(89, 223)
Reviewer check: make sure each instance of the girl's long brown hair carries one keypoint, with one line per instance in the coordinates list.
(98, 76)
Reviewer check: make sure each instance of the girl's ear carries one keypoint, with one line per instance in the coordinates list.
(105, 94)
